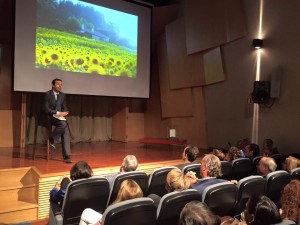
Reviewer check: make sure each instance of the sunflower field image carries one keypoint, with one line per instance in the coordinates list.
(80, 37)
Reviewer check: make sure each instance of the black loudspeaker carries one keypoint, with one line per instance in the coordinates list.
(261, 92)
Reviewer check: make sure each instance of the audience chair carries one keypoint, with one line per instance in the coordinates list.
(242, 167)
(255, 162)
(48, 130)
(171, 204)
(84, 193)
(295, 173)
(276, 182)
(195, 167)
(221, 198)
(248, 186)
(140, 177)
(138, 211)
(279, 159)
(226, 168)
(157, 181)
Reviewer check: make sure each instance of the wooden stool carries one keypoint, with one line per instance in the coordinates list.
(48, 130)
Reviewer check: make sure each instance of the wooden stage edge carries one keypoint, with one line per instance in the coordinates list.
(40, 175)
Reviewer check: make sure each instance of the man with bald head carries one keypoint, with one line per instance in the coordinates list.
(265, 166)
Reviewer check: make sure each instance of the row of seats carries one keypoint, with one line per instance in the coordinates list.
(224, 198)
(237, 169)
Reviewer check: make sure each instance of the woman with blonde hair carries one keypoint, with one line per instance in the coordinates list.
(290, 163)
(129, 189)
(176, 181)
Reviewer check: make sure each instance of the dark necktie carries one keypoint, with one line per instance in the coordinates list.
(57, 103)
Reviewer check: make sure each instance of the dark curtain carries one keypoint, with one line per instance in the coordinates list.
(90, 118)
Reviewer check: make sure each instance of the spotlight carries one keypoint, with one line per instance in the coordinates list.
(257, 43)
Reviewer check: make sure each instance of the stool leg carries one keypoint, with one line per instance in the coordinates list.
(48, 149)
(48, 131)
(34, 141)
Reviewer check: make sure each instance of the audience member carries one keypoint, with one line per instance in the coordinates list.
(265, 166)
(260, 210)
(78, 171)
(268, 148)
(252, 151)
(241, 144)
(129, 163)
(232, 154)
(189, 155)
(290, 202)
(129, 189)
(210, 169)
(198, 213)
(176, 180)
(290, 163)
(219, 154)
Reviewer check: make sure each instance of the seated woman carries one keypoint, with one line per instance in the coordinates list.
(129, 189)
(219, 154)
(176, 181)
(290, 163)
(232, 154)
(260, 210)
(290, 202)
(79, 170)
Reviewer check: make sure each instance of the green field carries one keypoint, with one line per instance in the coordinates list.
(75, 53)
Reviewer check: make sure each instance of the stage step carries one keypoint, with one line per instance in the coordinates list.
(19, 195)
(15, 212)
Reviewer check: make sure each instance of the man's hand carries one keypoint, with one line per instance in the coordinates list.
(191, 177)
(63, 113)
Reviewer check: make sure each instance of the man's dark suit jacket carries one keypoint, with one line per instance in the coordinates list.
(49, 105)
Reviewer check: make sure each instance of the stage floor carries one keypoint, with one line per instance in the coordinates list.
(97, 154)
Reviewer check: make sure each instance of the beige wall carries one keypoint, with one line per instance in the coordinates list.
(229, 117)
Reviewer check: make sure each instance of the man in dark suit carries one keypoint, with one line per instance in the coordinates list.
(54, 112)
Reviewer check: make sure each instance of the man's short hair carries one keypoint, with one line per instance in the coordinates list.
(192, 152)
(56, 79)
(255, 148)
(129, 163)
(196, 212)
(213, 165)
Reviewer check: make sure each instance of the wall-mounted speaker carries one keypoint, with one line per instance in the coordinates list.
(261, 92)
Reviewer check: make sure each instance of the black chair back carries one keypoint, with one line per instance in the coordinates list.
(157, 181)
(140, 177)
(195, 167)
(295, 173)
(242, 167)
(276, 182)
(248, 186)
(84, 193)
(171, 204)
(255, 162)
(221, 198)
(138, 211)
(226, 168)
